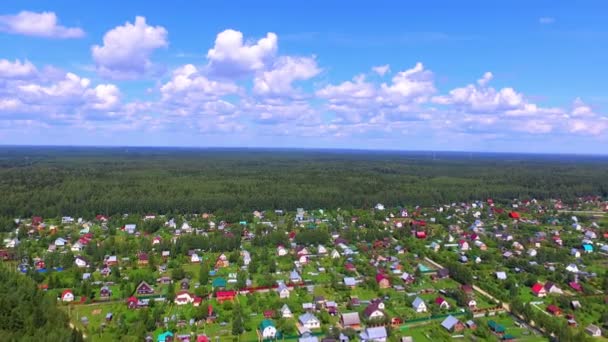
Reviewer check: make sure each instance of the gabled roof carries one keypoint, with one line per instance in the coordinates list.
(351, 318)
(418, 302)
(449, 322)
(305, 318)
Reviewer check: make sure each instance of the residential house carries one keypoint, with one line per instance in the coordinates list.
(285, 311)
(309, 321)
(80, 262)
(554, 310)
(281, 251)
(223, 296)
(321, 250)
(183, 298)
(144, 289)
(77, 247)
(283, 290)
(67, 296)
(350, 320)
(539, 290)
(350, 282)
(407, 278)
(335, 254)
(218, 283)
(442, 303)
(464, 245)
(222, 261)
(375, 310)
(130, 228)
(593, 330)
(551, 288)
(572, 268)
(452, 324)
(501, 275)
(142, 258)
(267, 329)
(195, 258)
(575, 253)
(295, 277)
(60, 242)
(375, 334)
(383, 281)
(419, 305)
(105, 292)
(246, 257)
(111, 260)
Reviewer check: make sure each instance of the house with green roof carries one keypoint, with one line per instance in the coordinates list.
(166, 336)
(267, 330)
(218, 283)
(495, 327)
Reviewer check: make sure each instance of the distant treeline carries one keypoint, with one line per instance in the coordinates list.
(88, 181)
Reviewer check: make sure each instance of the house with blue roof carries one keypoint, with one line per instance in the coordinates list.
(166, 336)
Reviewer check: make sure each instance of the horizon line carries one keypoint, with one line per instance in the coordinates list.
(328, 149)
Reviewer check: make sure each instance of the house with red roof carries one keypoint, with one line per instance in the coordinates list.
(442, 303)
(67, 296)
(554, 310)
(539, 290)
(576, 286)
(222, 296)
(514, 215)
(383, 281)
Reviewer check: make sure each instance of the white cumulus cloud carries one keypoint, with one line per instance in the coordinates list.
(126, 49)
(43, 24)
(286, 70)
(232, 56)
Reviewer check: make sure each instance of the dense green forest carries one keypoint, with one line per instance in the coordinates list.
(53, 181)
(28, 314)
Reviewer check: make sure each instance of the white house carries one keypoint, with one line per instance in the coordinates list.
(379, 206)
(195, 258)
(67, 296)
(67, 220)
(575, 253)
(309, 321)
(281, 251)
(183, 298)
(286, 312)
(130, 228)
(321, 250)
(335, 254)
(246, 257)
(80, 262)
(60, 242)
(572, 268)
(593, 330)
(267, 329)
(283, 290)
(419, 305)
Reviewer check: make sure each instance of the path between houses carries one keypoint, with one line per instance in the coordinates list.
(505, 306)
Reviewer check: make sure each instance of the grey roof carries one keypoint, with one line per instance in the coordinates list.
(372, 334)
(449, 322)
(305, 318)
(308, 339)
(282, 287)
(351, 318)
(294, 275)
(349, 281)
(416, 303)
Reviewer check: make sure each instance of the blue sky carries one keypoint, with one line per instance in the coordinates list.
(435, 75)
